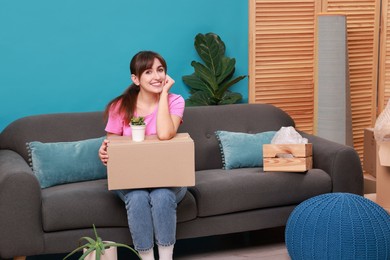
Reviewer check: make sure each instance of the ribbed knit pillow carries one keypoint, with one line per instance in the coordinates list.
(338, 226)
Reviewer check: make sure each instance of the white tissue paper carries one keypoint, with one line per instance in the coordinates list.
(288, 135)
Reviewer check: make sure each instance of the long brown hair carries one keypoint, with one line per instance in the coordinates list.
(142, 61)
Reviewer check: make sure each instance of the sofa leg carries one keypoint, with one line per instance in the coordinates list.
(19, 258)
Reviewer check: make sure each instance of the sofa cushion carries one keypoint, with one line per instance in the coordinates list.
(221, 192)
(65, 162)
(79, 205)
(201, 122)
(242, 150)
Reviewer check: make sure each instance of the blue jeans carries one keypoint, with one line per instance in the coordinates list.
(151, 213)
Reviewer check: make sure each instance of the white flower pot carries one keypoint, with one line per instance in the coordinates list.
(109, 254)
(138, 132)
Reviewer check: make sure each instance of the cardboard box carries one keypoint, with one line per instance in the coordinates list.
(150, 163)
(369, 183)
(372, 197)
(383, 174)
(369, 152)
(287, 157)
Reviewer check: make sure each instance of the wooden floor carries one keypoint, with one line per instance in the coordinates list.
(263, 244)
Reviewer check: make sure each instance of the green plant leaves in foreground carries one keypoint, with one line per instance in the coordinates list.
(98, 246)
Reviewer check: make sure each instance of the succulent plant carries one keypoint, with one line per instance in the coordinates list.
(137, 120)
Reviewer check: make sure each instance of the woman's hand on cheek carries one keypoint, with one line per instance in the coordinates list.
(168, 83)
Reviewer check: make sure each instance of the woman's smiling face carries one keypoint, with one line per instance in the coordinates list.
(152, 79)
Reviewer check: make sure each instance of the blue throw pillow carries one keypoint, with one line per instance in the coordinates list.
(241, 150)
(66, 162)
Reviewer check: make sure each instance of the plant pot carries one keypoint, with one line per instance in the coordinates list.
(109, 254)
(138, 132)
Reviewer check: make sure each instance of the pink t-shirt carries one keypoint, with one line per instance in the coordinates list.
(116, 121)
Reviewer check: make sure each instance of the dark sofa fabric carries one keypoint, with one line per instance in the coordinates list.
(36, 221)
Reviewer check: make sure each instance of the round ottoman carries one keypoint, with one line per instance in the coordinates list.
(338, 226)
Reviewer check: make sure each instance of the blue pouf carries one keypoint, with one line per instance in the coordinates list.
(338, 226)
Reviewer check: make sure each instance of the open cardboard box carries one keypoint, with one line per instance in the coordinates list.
(369, 152)
(383, 174)
(150, 163)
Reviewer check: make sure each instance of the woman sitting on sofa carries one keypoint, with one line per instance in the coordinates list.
(151, 212)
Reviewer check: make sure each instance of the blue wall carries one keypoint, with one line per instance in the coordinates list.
(71, 56)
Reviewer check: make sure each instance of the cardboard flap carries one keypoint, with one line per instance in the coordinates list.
(149, 139)
(384, 153)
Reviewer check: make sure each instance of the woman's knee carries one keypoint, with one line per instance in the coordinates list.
(162, 197)
(136, 197)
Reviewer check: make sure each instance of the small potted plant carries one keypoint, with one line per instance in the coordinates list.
(138, 128)
(99, 249)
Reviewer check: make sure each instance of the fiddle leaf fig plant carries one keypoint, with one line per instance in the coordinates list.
(98, 246)
(211, 80)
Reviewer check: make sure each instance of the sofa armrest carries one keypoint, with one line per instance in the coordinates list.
(20, 207)
(341, 162)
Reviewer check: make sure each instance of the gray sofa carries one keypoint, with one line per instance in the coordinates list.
(36, 221)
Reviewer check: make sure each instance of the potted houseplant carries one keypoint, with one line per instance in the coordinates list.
(99, 249)
(138, 128)
(211, 80)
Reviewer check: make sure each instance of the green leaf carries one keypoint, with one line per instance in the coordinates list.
(110, 244)
(205, 75)
(227, 85)
(200, 98)
(196, 83)
(230, 98)
(210, 48)
(89, 250)
(94, 230)
(75, 251)
(100, 246)
(98, 253)
(89, 240)
(228, 67)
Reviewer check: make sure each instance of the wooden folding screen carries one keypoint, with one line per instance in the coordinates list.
(282, 57)
(384, 64)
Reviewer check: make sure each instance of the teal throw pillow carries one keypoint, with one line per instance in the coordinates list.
(242, 150)
(66, 162)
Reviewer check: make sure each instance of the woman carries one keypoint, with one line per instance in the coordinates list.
(151, 212)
